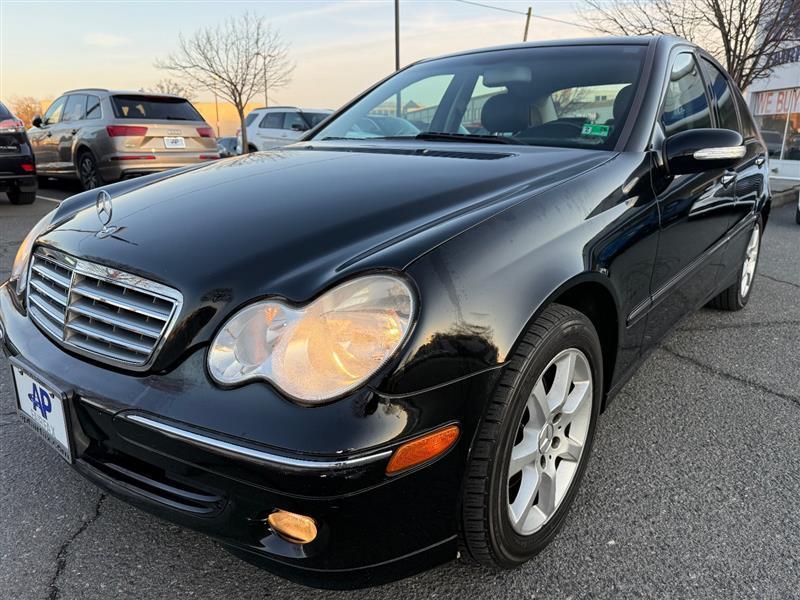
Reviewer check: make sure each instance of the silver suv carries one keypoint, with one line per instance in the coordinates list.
(101, 136)
(279, 125)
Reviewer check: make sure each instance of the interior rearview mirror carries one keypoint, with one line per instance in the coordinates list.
(700, 150)
(37, 121)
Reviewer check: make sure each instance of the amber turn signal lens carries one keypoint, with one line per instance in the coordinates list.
(298, 529)
(422, 449)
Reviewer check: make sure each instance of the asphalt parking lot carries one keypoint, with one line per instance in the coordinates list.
(692, 491)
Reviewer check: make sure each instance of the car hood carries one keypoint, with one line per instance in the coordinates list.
(290, 222)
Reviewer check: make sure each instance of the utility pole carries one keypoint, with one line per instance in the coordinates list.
(527, 25)
(396, 35)
(264, 58)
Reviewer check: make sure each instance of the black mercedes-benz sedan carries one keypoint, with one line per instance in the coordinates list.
(389, 344)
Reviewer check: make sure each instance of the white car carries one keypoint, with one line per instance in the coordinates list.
(279, 125)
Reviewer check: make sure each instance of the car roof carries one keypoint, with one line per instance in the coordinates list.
(284, 108)
(639, 40)
(122, 92)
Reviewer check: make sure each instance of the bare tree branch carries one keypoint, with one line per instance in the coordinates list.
(741, 34)
(170, 86)
(233, 59)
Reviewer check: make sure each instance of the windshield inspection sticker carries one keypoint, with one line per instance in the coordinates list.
(595, 130)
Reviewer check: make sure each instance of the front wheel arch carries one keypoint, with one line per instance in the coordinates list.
(589, 293)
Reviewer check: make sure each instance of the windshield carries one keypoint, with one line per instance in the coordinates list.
(571, 96)
(154, 107)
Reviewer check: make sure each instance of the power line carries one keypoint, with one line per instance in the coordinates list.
(519, 12)
(508, 10)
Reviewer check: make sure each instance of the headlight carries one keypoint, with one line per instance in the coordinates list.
(19, 270)
(320, 351)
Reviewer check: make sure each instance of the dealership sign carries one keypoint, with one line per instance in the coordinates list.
(778, 102)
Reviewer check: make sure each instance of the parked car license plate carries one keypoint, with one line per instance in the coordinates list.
(174, 142)
(42, 407)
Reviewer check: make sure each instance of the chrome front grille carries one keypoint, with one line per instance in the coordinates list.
(110, 315)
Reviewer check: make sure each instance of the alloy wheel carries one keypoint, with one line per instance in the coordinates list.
(750, 261)
(88, 172)
(550, 439)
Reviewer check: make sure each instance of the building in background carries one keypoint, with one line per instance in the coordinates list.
(775, 103)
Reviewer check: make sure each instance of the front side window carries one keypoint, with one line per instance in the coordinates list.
(685, 105)
(726, 103)
(295, 122)
(569, 96)
(273, 120)
(53, 114)
(74, 108)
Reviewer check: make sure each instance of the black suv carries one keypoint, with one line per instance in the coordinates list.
(17, 168)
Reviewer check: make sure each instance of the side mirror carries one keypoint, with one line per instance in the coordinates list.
(37, 121)
(299, 127)
(700, 150)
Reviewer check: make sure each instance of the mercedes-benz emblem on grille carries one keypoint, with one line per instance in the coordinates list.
(104, 208)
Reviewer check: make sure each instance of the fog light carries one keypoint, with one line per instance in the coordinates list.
(422, 449)
(298, 529)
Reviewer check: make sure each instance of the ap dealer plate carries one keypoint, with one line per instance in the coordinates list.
(42, 407)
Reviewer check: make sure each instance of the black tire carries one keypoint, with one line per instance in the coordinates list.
(731, 298)
(251, 148)
(797, 215)
(16, 196)
(88, 172)
(487, 535)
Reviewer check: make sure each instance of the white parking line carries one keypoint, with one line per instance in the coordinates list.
(49, 199)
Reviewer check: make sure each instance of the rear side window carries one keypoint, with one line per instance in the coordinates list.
(726, 103)
(685, 105)
(250, 118)
(273, 120)
(75, 108)
(93, 110)
(4, 112)
(154, 108)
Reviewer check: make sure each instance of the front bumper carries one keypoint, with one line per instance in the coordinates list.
(372, 527)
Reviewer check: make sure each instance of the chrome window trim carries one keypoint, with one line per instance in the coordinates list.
(268, 458)
(115, 276)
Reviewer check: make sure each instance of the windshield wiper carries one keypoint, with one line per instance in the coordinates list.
(174, 118)
(436, 136)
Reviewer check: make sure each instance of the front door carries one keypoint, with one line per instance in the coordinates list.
(695, 209)
(41, 138)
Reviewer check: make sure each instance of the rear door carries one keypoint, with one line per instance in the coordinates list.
(695, 209)
(42, 142)
(68, 128)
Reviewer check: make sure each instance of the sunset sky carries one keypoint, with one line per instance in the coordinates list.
(339, 47)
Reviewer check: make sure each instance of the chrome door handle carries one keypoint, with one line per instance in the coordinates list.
(727, 179)
(760, 161)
